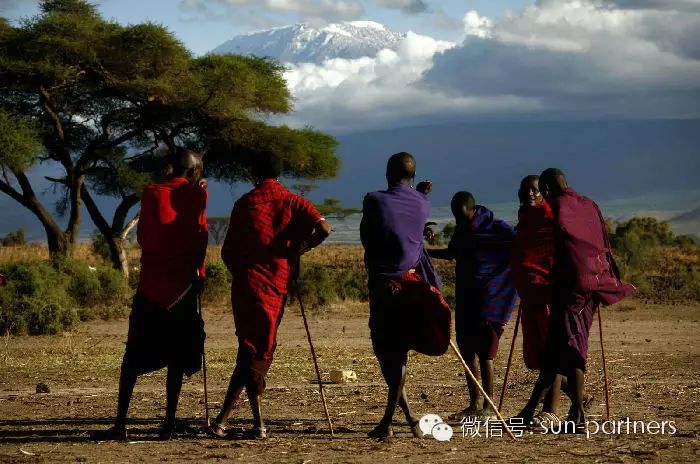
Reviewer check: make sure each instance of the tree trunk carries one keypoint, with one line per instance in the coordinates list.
(118, 256)
(59, 244)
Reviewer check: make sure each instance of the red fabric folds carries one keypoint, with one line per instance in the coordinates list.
(258, 247)
(173, 235)
(426, 312)
(533, 258)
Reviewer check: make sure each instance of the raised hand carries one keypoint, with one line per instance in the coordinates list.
(424, 186)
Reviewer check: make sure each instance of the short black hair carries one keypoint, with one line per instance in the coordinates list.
(527, 179)
(400, 167)
(553, 178)
(185, 161)
(462, 198)
(266, 165)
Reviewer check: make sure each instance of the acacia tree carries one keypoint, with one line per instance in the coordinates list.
(107, 103)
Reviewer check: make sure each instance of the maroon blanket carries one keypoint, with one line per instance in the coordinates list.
(587, 260)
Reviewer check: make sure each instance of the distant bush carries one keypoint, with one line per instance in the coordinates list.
(12, 239)
(448, 231)
(47, 297)
(663, 266)
(99, 246)
(321, 285)
(218, 284)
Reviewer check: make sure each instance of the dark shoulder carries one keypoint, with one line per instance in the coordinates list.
(197, 193)
(371, 200)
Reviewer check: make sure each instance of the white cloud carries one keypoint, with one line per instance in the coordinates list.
(563, 59)
(475, 25)
(406, 6)
(343, 94)
(583, 57)
(306, 10)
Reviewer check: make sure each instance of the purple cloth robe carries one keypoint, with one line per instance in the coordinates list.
(584, 275)
(392, 233)
(482, 247)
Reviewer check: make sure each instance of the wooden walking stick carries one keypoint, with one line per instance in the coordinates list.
(204, 367)
(481, 389)
(605, 368)
(313, 355)
(510, 358)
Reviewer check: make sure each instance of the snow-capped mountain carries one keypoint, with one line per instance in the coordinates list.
(302, 43)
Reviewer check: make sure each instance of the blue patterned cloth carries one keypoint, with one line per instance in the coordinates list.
(482, 246)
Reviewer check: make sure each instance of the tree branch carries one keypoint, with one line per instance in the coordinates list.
(55, 180)
(122, 210)
(29, 200)
(129, 226)
(94, 212)
(7, 189)
(53, 114)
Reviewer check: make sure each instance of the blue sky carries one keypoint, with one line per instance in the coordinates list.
(202, 31)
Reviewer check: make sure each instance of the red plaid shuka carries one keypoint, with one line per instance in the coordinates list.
(257, 251)
(533, 258)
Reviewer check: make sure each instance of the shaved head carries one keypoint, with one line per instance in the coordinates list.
(462, 205)
(552, 182)
(188, 164)
(400, 168)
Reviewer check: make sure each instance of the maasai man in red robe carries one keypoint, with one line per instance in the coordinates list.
(165, 326)
(269, 230)
(532, 261)
(584, 276)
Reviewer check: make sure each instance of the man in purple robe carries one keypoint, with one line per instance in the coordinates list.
(584, 276)
(407, 310)
(481, 246)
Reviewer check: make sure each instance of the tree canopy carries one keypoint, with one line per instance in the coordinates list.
(108, 102)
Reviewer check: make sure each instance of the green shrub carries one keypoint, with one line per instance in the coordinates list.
(316, 286)
(15, 238)
(99, 246)
(47, 297)
(218, 284)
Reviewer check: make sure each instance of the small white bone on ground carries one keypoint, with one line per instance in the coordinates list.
(343, 376)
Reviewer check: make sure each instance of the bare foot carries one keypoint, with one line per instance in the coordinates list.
(381, 431)
(115, 433)
(415, 429)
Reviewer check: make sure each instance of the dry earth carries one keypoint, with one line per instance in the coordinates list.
(653, 361)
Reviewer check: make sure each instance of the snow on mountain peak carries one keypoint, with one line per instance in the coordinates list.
(303, 43)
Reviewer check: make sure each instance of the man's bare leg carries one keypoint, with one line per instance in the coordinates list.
(255, 400)
(487, 375)
(542, 386)
(233, 393)
(474, 396)
(551, 400)
(576, 379)
(394, 372)
(173, 387)
(127, 383)
(410, 418)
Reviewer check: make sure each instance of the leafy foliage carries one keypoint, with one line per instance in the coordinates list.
(15, 238)
(663, 266)
(107, 103)
(331, 207)
(19, 142)
(48, 297)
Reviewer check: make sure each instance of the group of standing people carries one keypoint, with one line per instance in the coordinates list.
(557, 258)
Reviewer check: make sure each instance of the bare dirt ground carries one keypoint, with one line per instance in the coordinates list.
(653, 360)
